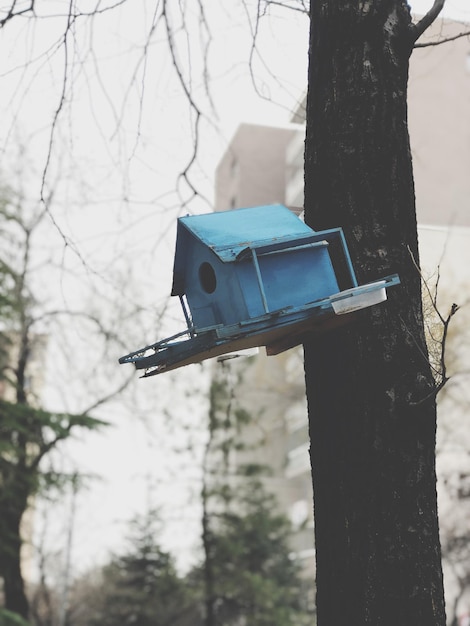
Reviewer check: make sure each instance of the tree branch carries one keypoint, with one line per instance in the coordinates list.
(418, 29)
(12, 13)
(440, 367)
(112, 394)
(444, 40)
(186, 86)
(303, 8)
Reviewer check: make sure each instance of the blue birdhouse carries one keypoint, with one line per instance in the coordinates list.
(241, 264)
(253, 277)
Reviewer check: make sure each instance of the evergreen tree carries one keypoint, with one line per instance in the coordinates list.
(141, 587)
(27, 433)
(248, 574)
(256, 581)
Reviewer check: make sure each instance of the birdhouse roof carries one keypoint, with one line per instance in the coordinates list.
(228, 233)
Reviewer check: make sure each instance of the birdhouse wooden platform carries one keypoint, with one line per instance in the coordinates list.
(254, 277)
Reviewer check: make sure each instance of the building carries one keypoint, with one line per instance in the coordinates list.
(439, 121)
(253, 170)
(264, 165)
(261, 166)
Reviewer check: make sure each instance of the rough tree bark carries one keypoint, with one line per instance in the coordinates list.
(10, 555)
(369, 386)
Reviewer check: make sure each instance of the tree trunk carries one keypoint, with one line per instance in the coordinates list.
(370, 387)
(15, 597)
(14, 492)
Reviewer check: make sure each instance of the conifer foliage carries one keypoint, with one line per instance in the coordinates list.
(27, 432)
(141, 586)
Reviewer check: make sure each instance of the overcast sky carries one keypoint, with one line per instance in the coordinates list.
(98, 160)
(455, 9)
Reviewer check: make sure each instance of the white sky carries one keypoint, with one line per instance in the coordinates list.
(96, 161)
(453, 9)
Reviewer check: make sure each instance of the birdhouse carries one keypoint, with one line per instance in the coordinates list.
(254, 277)
(241, 264)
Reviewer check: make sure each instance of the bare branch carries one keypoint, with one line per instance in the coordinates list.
(453, 310)
(444, 40)
(418, 29)
(254, 24)
(302, 8)
(186, 86)
(12, 13)
(432, 297)
(204, 24)
(110, 395)
(105, 332)
(59, 108)
(438, 361)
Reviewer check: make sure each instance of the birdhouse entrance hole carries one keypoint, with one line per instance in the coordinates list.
(207, 277)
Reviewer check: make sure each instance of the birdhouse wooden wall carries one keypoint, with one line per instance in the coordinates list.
(290, 278)
(212, 289)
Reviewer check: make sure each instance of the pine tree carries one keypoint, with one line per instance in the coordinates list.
(249, 575)
(27, 433)
(141, 587)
